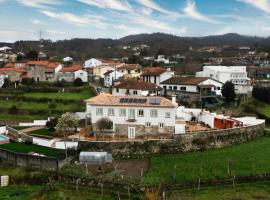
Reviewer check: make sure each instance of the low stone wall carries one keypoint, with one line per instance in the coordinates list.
(181, 143)
(40, 162)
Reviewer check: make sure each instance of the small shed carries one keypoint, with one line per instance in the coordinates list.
(95, 157)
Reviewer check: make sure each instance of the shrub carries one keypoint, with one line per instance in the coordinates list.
(104, 123)
(13, 110)
(78, 82)
(28, 81)
(52, 123)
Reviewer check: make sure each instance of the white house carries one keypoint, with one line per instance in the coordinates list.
(133, 117)
(67, 59)
(135, 87)
(2, 79)
(110, 77)
(162, 59)
(70, 73)
(236, 74)
(192, 85)
(156, 75)
(93, 62)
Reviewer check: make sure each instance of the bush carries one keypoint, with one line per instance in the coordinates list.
(78, 82)
(13, 110)
(28, 81)
(262, 94)
(52, 123)
(104, 123)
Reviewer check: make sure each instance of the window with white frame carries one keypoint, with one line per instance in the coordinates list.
(148, 124)
(99, 111)
(131, 114)
(167, 115)
(111, 111)
(135, 92)
(122, 112)
(153, 113)
(161, 125)
(140, 113)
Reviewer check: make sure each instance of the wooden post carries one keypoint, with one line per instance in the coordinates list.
(233, 182)
(102, 190)
(128, 193)
(141, 174)
(253, 164)
(118, 194)
(174, 173)
(228, 168)
(77, 184)
(199, 184)
(201, 169)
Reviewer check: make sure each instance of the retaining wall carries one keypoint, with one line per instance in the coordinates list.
(181, 143)
(40, 162)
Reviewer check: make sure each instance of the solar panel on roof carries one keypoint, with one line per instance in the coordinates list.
(130, 100)
(139, 100)
(125, 100)
(122, 100)
(135, 100)
(154, 101)
(144, 100)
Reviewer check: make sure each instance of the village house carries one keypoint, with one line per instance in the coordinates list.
(70, 73)
(258, 72)
(44, 71)
(135, 87)
(162, 59)
(99, 71)
(93, 62)
(130, 71)
(111, 76)
(133, 117)
(191, 85)
(236, 74)
(156, 75)
(2, 78)
(14, 74)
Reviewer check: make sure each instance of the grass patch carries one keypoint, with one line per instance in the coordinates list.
(18, 128)
(18, 192)
(27, 148)
(214, 163)
(251, 191)
(44, 131)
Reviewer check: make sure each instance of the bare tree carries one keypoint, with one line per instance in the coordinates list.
(66, 123)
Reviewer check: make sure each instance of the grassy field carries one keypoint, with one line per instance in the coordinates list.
(251, 191)
(41, 105)
(245, 159)
(26, 148)
(44, 131)
(19, 192)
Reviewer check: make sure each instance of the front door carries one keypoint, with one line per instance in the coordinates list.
(131, 132)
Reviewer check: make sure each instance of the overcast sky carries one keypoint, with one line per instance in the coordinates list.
(65, 19)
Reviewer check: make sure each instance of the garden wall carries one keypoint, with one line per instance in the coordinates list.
(40, 162)
(181, 143)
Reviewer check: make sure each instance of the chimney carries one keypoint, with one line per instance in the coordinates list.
(174, 100)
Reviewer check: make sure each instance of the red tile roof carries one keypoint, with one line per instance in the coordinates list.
(52, 65)
(19, 70)
(34, 62)
(130, 66)
(106, 99)
(153, 71)
(137, 85)
(72, 68)
(185, 80)
(9, 65)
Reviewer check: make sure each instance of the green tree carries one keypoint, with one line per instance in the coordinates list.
(67, 123)
(228, 91)
(32, 55)
(78, 82)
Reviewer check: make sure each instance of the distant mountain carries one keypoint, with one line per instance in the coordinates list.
(81, 49)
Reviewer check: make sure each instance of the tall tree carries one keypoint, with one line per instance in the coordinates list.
(67, 123)
(32, 55)
(228, 91)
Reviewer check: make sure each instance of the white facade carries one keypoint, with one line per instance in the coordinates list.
(2, 80)
(236, 74)
(215, 87)
(162, 59)
(93, 62)
(119, 118)
(160, 78)
(83, 75)
(109, 78)
(132, 92)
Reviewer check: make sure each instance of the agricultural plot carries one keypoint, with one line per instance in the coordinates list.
(41, 101)
(240, 160)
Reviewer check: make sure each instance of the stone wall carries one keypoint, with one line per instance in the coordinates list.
(40, 162)
(181, 143)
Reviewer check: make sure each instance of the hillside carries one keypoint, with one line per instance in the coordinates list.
(82, 49)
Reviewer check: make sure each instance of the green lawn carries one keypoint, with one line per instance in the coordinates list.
(18, 128)
(83, 95)
(214, 163)
(19, 192)
(44, 131)
(26, 148)
(251, 191)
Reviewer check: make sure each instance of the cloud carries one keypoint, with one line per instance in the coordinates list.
(263, 5)
(152, 5)
(37, 22)
(74, 19)
(191, 11)
(121, 5)
(39, 3)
